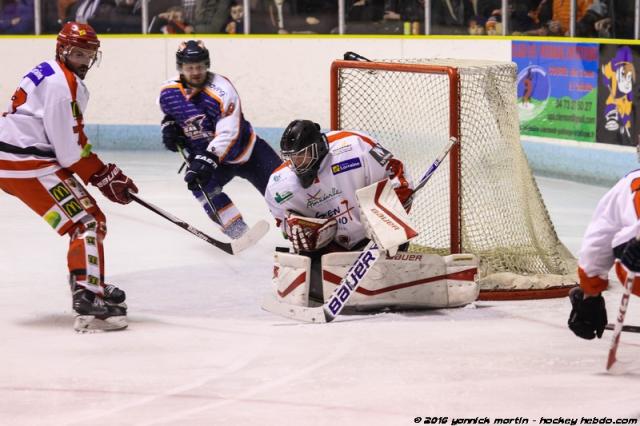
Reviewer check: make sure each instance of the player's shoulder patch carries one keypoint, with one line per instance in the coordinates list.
(40, 72)
(380, 154)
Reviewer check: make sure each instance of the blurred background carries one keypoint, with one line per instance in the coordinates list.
(578, 18)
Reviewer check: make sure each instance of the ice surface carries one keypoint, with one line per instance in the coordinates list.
(199, 351)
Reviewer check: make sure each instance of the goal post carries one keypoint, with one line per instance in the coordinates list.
(486, 201)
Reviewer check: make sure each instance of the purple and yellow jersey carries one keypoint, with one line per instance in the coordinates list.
(211, 118)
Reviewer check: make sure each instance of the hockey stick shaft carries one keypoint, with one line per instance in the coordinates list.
(622, 312)
(214, 211)
(226, 247)
(625, 328)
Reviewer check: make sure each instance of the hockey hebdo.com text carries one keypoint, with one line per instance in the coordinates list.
(453, 421)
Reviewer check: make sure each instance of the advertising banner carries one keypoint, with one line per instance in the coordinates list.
(557, 89)
(618, 94)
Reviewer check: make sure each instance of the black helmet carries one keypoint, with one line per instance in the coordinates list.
(192, 51)
(304, 146)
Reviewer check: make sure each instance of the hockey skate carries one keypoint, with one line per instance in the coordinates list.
(94, 313)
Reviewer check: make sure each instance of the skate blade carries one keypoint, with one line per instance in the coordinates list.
(91, 324)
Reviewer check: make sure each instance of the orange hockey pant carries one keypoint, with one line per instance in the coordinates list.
(68, 208)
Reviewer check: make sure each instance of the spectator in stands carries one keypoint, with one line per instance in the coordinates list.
(607, 19)
(109, 16)
(211, 16)
(560, 11)
(235, 24)
(64, 7)
(406, 10)
(16, 17)
(170, 22)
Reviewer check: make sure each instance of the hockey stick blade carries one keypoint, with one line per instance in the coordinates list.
(251, 237)
(627, 328)
(300, 313)
(248, 239)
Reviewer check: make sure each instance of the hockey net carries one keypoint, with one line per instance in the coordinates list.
(483, 199)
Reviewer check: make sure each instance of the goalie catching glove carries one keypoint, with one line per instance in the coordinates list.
(310, 233)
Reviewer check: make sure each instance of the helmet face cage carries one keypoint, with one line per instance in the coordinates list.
(304, 147)
(302, 160)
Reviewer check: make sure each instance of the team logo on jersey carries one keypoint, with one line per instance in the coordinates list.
(341, 149)
(72, 207)
(342, 217)
(40, 72)
(60, 192)
(281, 198)
(194, 128)
(381, 155)
(315, 199)
(345, 166)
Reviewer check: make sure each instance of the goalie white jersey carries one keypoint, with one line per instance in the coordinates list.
(354, 161)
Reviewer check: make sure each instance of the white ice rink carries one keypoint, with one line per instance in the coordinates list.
(200, 351)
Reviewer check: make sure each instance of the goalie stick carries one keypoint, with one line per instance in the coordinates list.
(622, 312)
(354, 276)
(250, 238)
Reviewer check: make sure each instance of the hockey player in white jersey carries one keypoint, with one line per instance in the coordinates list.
(611, 239)
(42, 148)
(312, 196)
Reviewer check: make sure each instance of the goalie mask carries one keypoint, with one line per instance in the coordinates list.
(193, 62)
(304, 146)
(77, 47)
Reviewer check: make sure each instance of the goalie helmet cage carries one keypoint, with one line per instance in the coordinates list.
(486, 201)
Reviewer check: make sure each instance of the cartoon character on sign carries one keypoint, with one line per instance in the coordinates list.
(619, 76)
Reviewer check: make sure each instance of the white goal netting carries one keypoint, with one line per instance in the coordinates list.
(497, 206)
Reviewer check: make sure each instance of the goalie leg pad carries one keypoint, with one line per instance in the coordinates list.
(407, 280)
(291, 278)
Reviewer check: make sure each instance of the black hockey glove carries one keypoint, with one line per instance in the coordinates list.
(172, 135)
(631, 256)
(200, 169)
(588, 316)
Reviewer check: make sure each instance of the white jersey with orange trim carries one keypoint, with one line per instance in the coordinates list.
(354, 161)
(43, 130)
(614, 222)
(211, 118)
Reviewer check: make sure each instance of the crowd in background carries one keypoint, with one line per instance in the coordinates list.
(594, 18)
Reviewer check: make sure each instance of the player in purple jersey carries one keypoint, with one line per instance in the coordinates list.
(203, 115)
